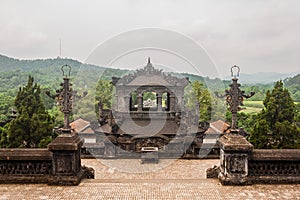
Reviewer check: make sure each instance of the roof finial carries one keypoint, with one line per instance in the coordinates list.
(149, 60)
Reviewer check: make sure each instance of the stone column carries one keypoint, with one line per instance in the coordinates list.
(159, 102)
(140, 101)
(234, 155)
(116, 103)
(127, 103)
(172, 103)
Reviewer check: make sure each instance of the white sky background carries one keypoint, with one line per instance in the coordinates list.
(257, 35)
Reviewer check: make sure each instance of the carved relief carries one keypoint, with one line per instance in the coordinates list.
(28, 167)
(236, 164)
(63, 164)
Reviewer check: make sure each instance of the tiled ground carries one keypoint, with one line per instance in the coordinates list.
(128, 179)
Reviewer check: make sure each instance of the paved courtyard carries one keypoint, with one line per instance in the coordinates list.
(128, 179)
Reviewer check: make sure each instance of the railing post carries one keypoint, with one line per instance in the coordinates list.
(66, 162)
(234, 155)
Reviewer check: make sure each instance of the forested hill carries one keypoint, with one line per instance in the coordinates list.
(293, 84)
(47, 73)
(9, 64)
(293, 81)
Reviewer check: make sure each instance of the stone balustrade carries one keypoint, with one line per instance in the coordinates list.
(25, 165)
(274, 166)
(60, 164)
(241, 165)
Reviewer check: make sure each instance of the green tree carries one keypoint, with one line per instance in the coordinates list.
(4, 136)
(297, 114)
(88, 108)
(198, 96)
(244, 120)
(33, 125)
(104, 92)
(275, 126)
(6, 104)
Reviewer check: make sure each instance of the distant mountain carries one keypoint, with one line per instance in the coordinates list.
(263, 77)
(293, 85)
(293, 81)
(45, 70)
(8, 64)
(42, 68)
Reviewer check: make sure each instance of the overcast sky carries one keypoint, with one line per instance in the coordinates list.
(257, 35)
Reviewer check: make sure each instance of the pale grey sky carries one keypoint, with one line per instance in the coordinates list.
(257, 35)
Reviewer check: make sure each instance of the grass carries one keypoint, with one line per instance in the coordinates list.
(254, 104)
(250, 110)
(254, 107)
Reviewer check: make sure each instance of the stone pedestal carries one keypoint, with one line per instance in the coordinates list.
(67, 168)
(234, 155)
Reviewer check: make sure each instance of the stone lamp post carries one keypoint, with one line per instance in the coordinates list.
(67, 169)
(235, 97)
(234, 148)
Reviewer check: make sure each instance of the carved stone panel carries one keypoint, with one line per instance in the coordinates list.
(237, 164)
(64, 164)
(234, 164)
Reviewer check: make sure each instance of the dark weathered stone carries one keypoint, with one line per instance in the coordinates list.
(25, 154)
(275, 155)
(66, 142)
(213, 172)
(233, 142)
(67, 169)
(234, 156)
(25, 165)
(274, 166)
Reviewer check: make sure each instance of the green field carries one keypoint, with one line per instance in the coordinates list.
(252, 107)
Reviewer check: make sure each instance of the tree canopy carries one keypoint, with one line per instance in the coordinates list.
(275, 126)
(33, 125)
(199, 98)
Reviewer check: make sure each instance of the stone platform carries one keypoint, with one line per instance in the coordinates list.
(129, 179)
